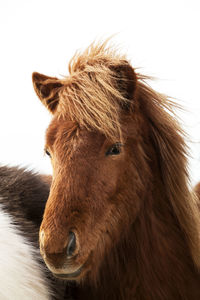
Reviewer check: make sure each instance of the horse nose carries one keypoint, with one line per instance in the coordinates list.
(66, 249)
(71, 247)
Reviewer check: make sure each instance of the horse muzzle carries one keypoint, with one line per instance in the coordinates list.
(62, 261)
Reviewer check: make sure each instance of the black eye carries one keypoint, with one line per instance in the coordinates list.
(114, 149)
(47, 153)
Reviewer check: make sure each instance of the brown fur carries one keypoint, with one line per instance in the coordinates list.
(137, 224)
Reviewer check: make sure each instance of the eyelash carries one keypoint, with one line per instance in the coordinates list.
(47, 153)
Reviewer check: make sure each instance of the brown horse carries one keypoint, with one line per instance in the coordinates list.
(120, 219)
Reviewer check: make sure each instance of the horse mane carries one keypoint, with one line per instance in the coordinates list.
(171, 152)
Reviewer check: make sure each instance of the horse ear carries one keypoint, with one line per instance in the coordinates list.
(126, 80)
(47, 89)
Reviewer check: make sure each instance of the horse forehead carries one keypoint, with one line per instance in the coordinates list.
(60, 129)
(86, 140)
(70, 134)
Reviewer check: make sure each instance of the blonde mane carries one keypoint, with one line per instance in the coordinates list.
(90, 95)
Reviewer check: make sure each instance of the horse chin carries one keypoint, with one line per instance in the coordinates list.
(76, 275)
(69, 271)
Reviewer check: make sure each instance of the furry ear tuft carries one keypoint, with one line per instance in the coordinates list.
(47, 89)
(125, 81)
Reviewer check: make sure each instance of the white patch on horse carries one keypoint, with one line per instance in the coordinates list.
(20, 274)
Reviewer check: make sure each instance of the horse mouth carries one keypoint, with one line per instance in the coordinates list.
(68, 276)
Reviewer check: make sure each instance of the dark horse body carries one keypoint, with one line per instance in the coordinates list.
(22, 199)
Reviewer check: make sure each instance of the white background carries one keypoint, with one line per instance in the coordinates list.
(162, 38)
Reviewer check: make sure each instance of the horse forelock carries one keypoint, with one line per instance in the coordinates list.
(90, 95)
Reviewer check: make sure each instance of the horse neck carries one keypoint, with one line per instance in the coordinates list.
(152, 262)
(164, 265)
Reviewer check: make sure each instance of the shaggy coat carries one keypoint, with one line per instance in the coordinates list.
(23, 274)
(120, 219)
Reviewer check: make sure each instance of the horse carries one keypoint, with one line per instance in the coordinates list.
(120, 219)
(23, 275)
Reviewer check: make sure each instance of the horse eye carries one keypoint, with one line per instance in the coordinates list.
(114, 150)
(47, 153)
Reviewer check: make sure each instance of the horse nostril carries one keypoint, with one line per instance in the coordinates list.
(72, 244)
